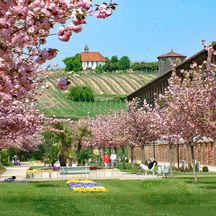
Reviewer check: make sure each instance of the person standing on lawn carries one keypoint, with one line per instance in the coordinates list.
(106, 160)
(113, 158)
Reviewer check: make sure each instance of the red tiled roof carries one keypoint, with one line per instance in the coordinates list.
(171, 54)
(92, 57)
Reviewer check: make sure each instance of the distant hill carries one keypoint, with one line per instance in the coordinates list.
(107, 88)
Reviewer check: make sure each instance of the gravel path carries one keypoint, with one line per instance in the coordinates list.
(18, 171)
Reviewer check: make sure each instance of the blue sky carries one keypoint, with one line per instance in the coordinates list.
(145, 29)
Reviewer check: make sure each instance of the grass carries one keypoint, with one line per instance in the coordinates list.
(55, 103)
(174, 197)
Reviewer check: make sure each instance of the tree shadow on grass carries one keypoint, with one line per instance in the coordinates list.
(45, 185)
(39, 205)
(209, 187)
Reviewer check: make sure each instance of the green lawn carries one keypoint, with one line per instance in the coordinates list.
(159, 197)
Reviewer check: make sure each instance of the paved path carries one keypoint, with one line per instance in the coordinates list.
(18, 171)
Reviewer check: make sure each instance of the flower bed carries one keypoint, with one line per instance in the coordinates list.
(42, 168)
(85, 186)
(41, 172)
(102, 168)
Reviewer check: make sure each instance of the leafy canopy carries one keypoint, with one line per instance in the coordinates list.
(73, 63)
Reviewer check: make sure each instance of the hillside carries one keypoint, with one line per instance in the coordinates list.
(107, 88)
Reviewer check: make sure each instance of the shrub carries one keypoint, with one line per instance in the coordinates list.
(81, 93)
(99, 69)
(205, 169)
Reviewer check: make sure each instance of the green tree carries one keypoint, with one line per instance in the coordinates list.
(124, 63)
(81, 93)
(73, 63)
(81, 131)
(58, 143)
(114, 66)
(114, 59)
(107, 67)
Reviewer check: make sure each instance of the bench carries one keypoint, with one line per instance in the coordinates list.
(74, 170)
(163, 170)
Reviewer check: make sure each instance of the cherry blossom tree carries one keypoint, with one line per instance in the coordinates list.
(189, 105)
(137, 127)
(25, 26)
(107, 132)
(142, 125)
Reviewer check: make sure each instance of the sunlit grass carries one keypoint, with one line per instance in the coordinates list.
(175, 197)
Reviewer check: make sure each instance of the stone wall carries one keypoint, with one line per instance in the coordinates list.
(93, 174)
(204, 152)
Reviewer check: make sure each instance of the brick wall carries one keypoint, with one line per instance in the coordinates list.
(204, 152)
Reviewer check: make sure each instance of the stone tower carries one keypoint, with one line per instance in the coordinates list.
(166, 61)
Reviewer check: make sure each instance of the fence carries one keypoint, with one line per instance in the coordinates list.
(205, 152)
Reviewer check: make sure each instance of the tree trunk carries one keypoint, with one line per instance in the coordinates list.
(70, 162)
(132, 157)
(78, 152)
(62, 160)
(101, 157)
(52, 164)
(170, 157)
(143, 154)
(8, 158)
(104, 150)
(123, 158)
(154, 155)
(178, 156)
(193, 161)
(115, 149)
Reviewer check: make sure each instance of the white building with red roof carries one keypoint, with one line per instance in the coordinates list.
(90, 60)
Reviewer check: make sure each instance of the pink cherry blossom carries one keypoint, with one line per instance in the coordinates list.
(62, 83)
(24, 28)
(103, 11)
(64, 34)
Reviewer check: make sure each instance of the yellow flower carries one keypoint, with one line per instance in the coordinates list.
(89, 190)
(81, 180)
(35, 171)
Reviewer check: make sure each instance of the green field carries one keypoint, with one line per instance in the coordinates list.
(174, 197)
(55, 103)
(107, 89)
